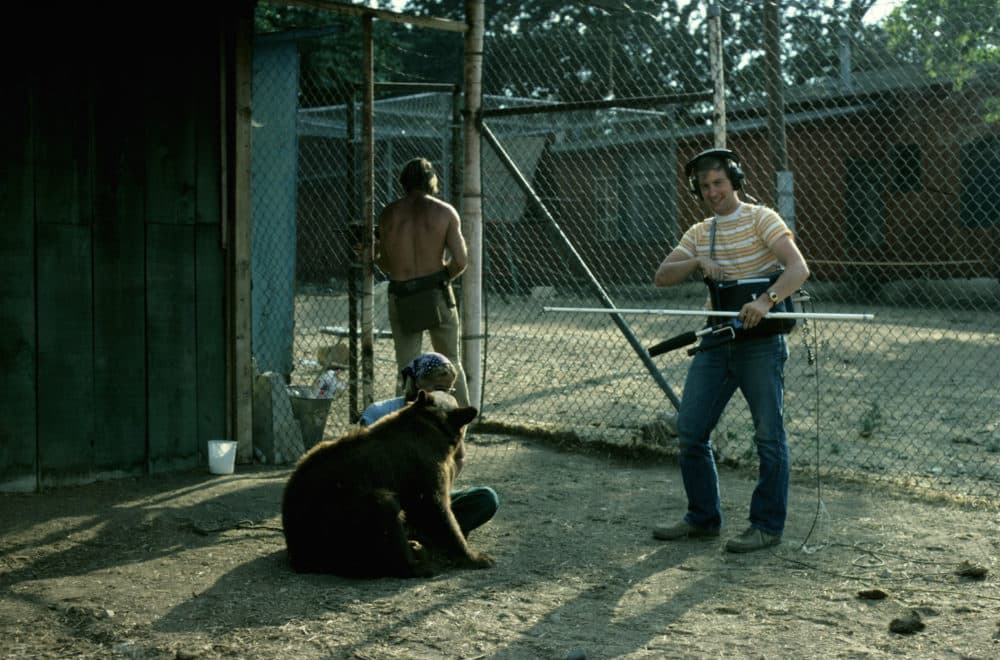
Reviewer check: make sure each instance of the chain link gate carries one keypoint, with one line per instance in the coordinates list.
(307, 220)
(597, 112)
(889, 210)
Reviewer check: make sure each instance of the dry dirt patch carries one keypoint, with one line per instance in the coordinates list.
(193, 566)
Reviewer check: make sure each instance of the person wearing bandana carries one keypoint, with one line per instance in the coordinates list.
(433, 372)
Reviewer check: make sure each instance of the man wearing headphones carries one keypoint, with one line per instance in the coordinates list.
(740, 240)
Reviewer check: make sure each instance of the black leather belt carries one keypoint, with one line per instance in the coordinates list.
(417, 284)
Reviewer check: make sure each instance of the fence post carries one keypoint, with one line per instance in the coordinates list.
(472, 204)
(783, 182)
(240, 347)
(718, 74)
(368, 234)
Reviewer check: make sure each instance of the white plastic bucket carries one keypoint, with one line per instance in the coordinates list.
(221, 456)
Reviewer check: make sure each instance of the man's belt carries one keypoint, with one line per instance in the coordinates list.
(417, 284)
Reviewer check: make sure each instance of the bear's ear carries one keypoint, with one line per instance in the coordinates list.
(423, 399)
(459, 417)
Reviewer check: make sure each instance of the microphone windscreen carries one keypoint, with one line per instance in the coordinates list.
(668, 345)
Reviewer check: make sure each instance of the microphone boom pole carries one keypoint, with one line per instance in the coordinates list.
(831, 316)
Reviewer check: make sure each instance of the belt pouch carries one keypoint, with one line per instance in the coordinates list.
(422, 310)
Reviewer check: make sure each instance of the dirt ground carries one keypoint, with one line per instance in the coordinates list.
(193, 566)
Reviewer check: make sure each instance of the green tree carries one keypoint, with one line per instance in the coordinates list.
(958, 40)
(590, 49)
(572, 50)
(330, 46)
(812, 38)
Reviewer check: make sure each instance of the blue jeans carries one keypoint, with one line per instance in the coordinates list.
(474, 507)
(756, 367)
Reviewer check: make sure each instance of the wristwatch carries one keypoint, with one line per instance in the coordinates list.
(773, 295)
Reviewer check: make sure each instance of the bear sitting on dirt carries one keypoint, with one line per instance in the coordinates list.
(352, 505)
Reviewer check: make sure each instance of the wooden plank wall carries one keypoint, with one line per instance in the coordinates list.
(170, 258)
(18, 433)
(210, 261)
(64, 175)
(113, 272)
(119, 278)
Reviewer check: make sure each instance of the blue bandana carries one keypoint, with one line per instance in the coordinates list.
(424, 364)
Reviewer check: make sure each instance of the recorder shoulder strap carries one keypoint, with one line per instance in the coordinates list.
(711, 238)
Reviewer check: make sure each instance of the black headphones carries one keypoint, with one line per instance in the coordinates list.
(732, 168)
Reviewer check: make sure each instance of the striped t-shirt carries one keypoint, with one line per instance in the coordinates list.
(743, 240)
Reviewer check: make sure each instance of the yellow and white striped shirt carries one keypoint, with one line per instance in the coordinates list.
(743, 240)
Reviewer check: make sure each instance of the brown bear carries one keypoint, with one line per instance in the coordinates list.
(375, 502)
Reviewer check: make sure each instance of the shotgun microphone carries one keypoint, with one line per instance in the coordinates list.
(725, 331)
(673, 343)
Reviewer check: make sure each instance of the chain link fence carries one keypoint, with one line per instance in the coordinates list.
(885, 155)
(307, 210)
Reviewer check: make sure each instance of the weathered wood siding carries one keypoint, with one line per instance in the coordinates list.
(112, 267)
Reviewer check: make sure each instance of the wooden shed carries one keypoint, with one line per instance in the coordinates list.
(124, 276)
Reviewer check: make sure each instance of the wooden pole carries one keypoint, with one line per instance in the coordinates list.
(472, 204)
(783, 181)
(773, 85)
(355, 271)
(368, 216)
(242, 325)
(455, 176)
(718, 73)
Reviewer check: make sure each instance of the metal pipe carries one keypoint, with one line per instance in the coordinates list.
(712, 312)
(567, 245)
(627, 103)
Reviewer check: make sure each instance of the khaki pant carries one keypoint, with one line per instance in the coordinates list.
(444, 340)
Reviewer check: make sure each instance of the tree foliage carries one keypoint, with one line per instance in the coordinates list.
(330, 47)
(591, 49)
(957, 40)
(572, 50)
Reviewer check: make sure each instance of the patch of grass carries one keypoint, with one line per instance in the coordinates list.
(870, 420)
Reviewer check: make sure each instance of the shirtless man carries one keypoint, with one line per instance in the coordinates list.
(414, 234)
